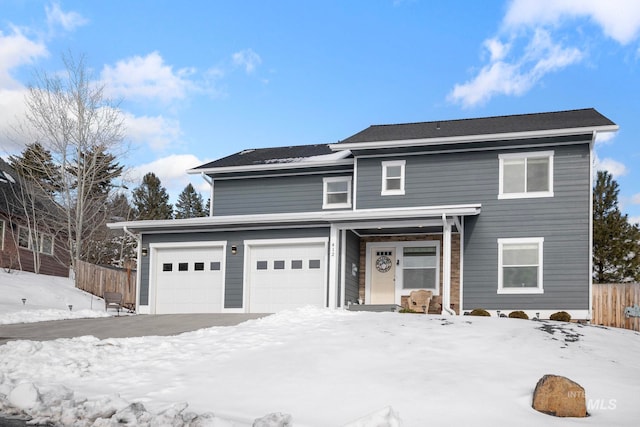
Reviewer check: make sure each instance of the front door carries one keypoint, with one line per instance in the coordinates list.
(383, 274)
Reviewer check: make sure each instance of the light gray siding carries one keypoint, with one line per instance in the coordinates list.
(473, 177)
(234, 278)
(298, 193)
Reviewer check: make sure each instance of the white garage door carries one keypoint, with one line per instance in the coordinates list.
(189, 280)
(285, 276)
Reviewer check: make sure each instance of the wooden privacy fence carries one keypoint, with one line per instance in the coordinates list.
(97, 280)
(609, 302)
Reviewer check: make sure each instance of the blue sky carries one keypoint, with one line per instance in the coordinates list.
(203, 79)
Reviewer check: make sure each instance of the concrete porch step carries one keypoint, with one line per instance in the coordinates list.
(378, 308)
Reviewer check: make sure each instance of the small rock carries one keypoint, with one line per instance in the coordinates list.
(559, 396)
(276, 419)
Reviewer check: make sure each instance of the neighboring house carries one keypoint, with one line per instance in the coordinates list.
(19, 240)
(490, 213)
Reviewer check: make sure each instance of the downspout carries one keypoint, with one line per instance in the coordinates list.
(591, 160)
(138, 240)
(446, 266)
(210, 182)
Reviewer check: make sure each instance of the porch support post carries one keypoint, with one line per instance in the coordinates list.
(446, 266)
(334, 250)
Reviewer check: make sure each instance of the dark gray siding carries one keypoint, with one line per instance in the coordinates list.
(472, 177)
(234, 263)
(352, 257)
(299, 193)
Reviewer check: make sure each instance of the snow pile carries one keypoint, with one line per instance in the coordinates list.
(327, 368)
(45, 298)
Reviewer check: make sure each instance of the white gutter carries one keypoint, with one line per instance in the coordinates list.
(210, 182)
(328, 216)
(591, 161)
(273, 166)
(470, 138)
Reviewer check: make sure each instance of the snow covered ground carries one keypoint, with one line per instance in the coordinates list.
(46, 298)
(327, 368)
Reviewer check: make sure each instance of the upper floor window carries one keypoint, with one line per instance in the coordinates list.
(526, 175)
(393, 177)
(43, 243)
(520, 265)
(337, 192)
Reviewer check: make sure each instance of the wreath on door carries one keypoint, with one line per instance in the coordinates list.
(383, 264)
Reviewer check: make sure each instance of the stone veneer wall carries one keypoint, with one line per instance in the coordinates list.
(436, 302)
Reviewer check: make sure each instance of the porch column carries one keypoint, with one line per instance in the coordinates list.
(446, 266)
(334, 259)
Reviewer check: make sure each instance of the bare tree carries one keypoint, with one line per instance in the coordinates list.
(69, 114)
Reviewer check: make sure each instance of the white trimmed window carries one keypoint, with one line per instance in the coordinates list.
(520, 266)
(336, 192)
(1, 234)
(44, 241)
(524, 175)
(393, 178)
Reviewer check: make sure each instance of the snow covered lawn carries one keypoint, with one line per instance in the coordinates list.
(46, 298)
(328, 368)
(323, 367)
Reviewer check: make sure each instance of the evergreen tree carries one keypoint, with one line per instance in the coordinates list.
(151, 200)
(189, 204)
(36, 164)
(616, 242)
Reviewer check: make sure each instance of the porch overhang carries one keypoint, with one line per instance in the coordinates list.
(376, 218)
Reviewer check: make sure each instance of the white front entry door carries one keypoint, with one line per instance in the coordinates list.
(383, 275)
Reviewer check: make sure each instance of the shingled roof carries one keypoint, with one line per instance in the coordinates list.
(264, 156)
(572, 119)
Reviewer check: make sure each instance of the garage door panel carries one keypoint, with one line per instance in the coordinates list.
(189, 280)
(286, 276)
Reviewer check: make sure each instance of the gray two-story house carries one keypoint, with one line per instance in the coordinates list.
(490, 213)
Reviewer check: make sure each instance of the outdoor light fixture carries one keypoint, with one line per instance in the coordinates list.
(234, 249)
(145, 251)
(24, 301)
(70, 307)
(498, 311)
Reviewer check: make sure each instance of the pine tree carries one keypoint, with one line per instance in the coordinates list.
(616, 242)
(189, 204)
(151, 200)
(36, 164)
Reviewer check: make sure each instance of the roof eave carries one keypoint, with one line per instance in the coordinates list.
(304, 217)
(471, 138)
(270, 167)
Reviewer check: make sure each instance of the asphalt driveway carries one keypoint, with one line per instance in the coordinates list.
(120, 327)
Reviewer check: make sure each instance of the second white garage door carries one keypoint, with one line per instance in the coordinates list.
(286, 275)
(189, 279)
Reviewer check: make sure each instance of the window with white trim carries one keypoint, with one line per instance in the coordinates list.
(524, 175)
(1, 234)
(336, 192)
(393, 177)
(43, 244)
(520, 265)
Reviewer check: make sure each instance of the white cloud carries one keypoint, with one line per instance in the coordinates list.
(533, 25)
(67, 20)
(515, 77)
(157, 132)
(248, 59)
(635, 199)
(172, 173)
(147, 77)
(618, 19)
(605, 138)
(16, 50)
(615, 168)
(634, 220)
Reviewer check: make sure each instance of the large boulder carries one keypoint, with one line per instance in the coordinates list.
(559, 396)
